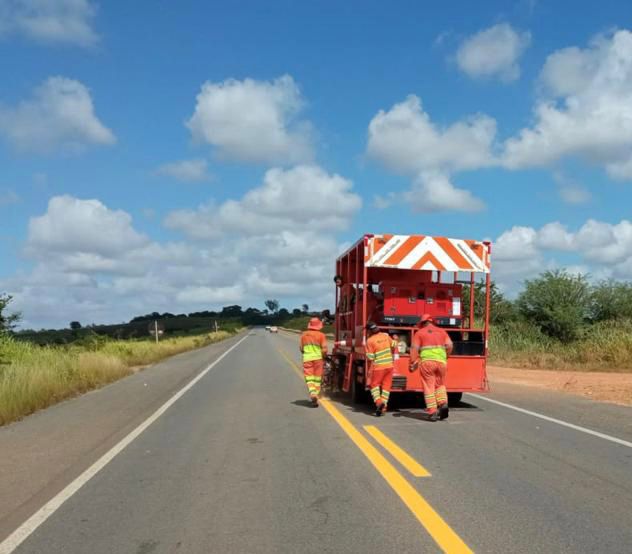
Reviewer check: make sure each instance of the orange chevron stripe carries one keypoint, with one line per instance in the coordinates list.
(378, 243)
(404, 250)
(428, 257)
(452, 252)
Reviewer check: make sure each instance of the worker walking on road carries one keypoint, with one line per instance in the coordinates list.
(314, 350)
(432, 345)
(379, 352)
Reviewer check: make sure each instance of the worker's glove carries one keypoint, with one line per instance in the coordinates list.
(413, 366)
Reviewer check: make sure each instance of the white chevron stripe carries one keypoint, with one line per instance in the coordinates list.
(425, 246)
(467, 252)
(391, 246)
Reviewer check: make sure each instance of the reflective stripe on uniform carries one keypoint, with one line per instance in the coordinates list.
(434, 353)
(312, 352)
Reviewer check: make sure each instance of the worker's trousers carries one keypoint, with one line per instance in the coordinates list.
(313, 372)
(433, 379)
(381, 382)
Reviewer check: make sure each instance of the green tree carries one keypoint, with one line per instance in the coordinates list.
(611, 300)
(75, 325)
(8, 321)
(305, 308)
(557, 302)
(272, 305)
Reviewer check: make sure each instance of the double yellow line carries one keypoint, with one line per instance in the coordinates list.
(438, 529)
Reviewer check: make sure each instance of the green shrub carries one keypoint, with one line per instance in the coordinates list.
(558, 303)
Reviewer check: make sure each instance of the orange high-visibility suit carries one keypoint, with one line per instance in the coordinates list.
(314, 350)
(379, 352)
(432, 345)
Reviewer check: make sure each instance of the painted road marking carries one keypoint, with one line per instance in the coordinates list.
(31, 524)
(437, 528)
(553, 420)
(403, 457)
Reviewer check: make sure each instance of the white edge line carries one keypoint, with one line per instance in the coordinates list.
(553, 420)
(18, 536)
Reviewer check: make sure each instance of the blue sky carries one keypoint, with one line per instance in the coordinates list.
(184, 156)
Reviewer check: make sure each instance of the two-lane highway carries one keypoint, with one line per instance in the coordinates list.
(239, 462)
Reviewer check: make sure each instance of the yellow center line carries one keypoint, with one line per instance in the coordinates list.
(438, 529)
(403, 457)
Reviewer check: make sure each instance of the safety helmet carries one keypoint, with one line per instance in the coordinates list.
(371, 326)
(315, 324)
(424, 318)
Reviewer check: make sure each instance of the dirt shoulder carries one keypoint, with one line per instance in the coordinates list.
(601, 386)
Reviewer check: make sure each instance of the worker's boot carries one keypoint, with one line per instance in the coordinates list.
(379, 409)
(428, 416)
(383, 407)
(444, 411)
(314, 400)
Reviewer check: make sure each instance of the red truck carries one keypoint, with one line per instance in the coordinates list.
(392, 280)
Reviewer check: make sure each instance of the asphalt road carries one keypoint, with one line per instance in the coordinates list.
(241, 463)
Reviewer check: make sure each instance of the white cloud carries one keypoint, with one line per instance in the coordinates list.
(300, 198)
(93, 265)
(50, 21)
(60, 116)
(87, 227)
(253, 121)
(405, 140)
(432, 191)
(599, 249)
(493, 52)
(585, 111)
(193, 171)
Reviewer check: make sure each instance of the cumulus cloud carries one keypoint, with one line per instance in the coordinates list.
(192, 171)
(601, 249)
(493, 52)
(406, 141)
(91, 264)
(300, 198)
(585, 111)
(59, 116)
(432, 191)
(81, 228)
(253, 121)
(50, 21)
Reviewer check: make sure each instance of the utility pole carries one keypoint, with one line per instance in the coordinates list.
(216, 328)
(156, 330)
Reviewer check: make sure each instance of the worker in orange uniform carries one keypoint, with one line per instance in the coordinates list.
(314, 350)
(432, 345)
(379, 351)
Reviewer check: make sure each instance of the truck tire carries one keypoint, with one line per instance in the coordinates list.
(358, 392)
(454, 397)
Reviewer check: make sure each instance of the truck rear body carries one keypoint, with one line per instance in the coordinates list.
(393, 280)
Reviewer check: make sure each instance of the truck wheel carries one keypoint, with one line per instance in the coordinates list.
(454, 397)
(358, 392)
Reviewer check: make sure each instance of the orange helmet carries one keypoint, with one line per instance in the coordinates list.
(424, 318)
(315, 324)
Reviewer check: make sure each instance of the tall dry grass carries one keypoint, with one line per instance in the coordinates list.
(605, 346)
(34, 377)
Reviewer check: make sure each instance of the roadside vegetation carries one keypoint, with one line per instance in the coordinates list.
(561, 321)
(33, 377)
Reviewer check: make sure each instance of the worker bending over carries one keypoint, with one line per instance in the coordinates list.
(314, 350)
(432, 345)
(379, 352)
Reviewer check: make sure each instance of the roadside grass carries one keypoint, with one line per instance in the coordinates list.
(605, 346)
(33, 377)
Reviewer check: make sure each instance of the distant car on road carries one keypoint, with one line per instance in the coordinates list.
(274, 329)
(267, 327)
